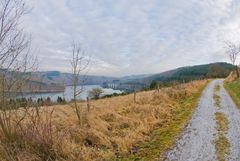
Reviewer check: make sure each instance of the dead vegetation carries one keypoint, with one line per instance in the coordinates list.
(217, 100)
(217, 88)
(232, 77)
(28, 135)
(222, 144)
(216, 97)
(111, 128)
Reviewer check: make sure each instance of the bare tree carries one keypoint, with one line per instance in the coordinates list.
(233, 50)
(15, 66)
(13, 41)
(79, 63)
(20, 129)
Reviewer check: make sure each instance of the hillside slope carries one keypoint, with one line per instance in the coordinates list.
(183, 74)
(66, 78)
(115, 128)
(213, 70)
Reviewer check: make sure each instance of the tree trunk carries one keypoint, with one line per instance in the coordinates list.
(78, 112)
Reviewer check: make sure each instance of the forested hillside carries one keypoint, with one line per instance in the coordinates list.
(184, 74)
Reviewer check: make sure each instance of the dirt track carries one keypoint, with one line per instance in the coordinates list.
(197, 140)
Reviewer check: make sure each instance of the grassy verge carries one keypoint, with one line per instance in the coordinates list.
(233, 89)
(163, 137)
(222, 144)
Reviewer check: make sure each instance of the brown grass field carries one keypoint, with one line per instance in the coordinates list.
(114, 129)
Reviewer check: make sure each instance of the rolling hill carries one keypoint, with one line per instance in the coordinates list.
(213, 70)
(183, 74)
(66, 78)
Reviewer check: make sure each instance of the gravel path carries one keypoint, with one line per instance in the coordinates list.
(197, 140)
(233, 114)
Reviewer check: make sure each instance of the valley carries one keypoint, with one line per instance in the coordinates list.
(138, 80)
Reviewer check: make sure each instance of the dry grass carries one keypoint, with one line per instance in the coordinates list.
(34, 138)
(217, 88)
(222, 144)
(111, 128)
(222, 122)
(232, 77)
(217, 100)
(216, 97)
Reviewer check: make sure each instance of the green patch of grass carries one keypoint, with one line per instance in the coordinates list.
(164, 137)
(222, 144)
(233, 89)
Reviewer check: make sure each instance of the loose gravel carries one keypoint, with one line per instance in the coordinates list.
(197, 140)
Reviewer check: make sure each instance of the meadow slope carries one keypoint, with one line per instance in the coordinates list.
(114, 129)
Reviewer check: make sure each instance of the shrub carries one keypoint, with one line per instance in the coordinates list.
(95, 93)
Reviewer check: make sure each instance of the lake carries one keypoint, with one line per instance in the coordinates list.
(68, 94)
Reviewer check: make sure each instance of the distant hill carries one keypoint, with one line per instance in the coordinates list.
(213, 70)
(28, 83)
(66, 78)
(183, 74)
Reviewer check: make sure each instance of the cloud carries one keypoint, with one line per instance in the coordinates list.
(132, 36)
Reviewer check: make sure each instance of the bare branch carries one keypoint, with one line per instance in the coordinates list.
(233, 51)
(79, 63)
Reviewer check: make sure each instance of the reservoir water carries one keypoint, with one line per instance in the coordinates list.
(68, 94)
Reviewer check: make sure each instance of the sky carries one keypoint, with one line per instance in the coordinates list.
(125, 37)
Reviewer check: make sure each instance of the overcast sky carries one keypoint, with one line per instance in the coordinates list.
(125, 37)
